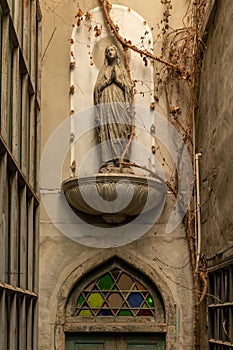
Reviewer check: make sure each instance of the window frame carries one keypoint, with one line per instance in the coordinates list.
(220, 307)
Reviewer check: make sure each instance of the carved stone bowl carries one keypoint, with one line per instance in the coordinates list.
(114, 197)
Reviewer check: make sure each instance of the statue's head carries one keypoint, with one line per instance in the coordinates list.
(111, 53)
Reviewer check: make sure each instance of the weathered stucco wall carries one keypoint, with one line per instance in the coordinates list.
(166, 254)
(214, 134)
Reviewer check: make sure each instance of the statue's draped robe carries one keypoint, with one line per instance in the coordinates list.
(113, 106)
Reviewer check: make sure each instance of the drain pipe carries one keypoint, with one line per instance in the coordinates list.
(198, 208)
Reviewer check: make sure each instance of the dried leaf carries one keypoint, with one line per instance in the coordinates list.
(88, 16)
(72, 65)
(79, 13)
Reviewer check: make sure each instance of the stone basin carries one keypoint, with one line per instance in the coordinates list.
(114, 197)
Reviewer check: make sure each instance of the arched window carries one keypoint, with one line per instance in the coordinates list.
(116, 290)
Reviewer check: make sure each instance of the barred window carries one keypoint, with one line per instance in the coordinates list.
(220, 307)
(19, 165)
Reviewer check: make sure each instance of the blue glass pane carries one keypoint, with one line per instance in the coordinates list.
(135, 299)
(105, 313)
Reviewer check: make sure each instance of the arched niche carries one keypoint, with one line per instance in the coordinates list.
(87, 57)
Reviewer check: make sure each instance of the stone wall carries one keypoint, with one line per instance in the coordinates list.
(214, 134)
(158, 253)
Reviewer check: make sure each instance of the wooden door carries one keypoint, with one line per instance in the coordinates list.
(115, 342)
(89, 343)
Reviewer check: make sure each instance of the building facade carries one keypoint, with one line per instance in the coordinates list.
(89, 276)
(99, 288)
(19, 159)
(214, 141)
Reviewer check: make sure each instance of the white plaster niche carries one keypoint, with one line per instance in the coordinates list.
(117, 196)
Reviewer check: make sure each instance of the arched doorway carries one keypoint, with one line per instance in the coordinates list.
(116, 306)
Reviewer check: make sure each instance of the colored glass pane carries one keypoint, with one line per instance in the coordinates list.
(91, 286)
(115, 294)
(105, 282)
(80, 300)
(85, 313)
(134, 311)
(115, 273)
(150, 301)
(105, 313)
(125, 313)
(145, 312)
(135, 299)
(125, 282)
(115, 300)
(140, 286)
(95, 300)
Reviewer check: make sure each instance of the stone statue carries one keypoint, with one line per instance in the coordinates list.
(113, 98)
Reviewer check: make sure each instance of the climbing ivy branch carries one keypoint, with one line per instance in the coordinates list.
(128, 44)
(177, 71)
(181, 46)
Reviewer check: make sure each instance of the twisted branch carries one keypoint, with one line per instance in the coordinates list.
(106, 8)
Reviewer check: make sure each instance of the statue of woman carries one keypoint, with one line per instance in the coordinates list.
(112, 98)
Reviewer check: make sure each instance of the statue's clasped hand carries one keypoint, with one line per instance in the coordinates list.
(113, 74)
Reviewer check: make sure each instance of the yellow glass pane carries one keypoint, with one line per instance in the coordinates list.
(85, 313)
(95, 300)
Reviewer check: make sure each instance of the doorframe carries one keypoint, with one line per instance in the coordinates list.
(119, 338)
(63, 325)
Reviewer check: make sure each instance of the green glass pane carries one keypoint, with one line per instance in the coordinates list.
(80, 300)
(135, 288)
(105, 282)
(150, 301)
(85, 313)
(125, 313)
(95, 300)
(145, 306)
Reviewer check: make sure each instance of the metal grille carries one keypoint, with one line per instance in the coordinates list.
(220, 307)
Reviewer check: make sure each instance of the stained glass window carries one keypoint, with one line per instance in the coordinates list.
(115, 293)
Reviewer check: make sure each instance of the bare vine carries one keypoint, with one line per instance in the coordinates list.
(176, 71)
